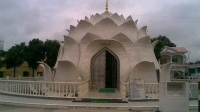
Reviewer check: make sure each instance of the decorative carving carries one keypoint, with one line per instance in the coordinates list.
(105, 44)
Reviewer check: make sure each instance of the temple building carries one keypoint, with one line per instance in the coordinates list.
(105, 49)
(107, 59)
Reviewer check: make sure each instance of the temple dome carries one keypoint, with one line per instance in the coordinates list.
(100, 24)
(114, 33)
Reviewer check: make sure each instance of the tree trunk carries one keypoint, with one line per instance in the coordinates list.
(33, 72)
(14, 71)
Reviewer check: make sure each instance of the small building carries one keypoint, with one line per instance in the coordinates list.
(21, 71)
(177, 56)
(194, 71)
(180, 70)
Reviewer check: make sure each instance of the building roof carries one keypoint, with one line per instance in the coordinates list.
(175, 49)
(180, 49)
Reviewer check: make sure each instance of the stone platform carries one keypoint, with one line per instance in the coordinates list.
(68, 104)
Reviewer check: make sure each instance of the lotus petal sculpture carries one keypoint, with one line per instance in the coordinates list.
(112, 33)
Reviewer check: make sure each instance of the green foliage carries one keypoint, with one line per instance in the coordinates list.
(190, 63)
(2, 61)
(162, 42)
(15, 56)
(38, 51)
(34, 52)
(197, 62)
(2, 53)
(51, 49)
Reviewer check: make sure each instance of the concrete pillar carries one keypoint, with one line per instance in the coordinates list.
(173, 96)
(183, 60)
(79, 88)
(171, 58)
(7, 77)
(170, 100)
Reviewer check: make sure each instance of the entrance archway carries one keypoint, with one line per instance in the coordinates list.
(105, 69)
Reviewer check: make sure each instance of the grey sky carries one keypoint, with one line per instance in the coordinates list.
(23, 20)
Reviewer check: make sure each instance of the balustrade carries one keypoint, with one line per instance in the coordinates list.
(74, 89)
(25, 78)
(152, 90)
(42, 88)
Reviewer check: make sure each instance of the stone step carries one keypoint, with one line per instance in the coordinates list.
(97, 100)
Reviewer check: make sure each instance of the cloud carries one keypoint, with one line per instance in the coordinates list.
(24, 20)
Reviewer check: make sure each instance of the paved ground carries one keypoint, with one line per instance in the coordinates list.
(6, 108)
(52, 105)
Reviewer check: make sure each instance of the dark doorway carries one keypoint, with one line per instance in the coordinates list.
(111, 71)
(104, 70)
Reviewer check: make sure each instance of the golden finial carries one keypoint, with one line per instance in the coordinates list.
(106, 5)
(43, 60)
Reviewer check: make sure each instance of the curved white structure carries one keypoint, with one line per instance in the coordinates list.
(165, 72)
(48, 75)
(106, 48)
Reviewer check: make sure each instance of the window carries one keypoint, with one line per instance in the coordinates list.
(175, 60)
(191, 71)
(1, 74)
(39, 73)
(25, 74)
(198, 69)
(163, 61)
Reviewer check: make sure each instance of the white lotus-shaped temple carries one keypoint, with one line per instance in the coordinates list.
(106, 49)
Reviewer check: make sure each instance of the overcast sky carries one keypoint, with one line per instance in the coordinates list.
(23, 20)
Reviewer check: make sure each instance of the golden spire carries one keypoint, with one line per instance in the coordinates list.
(106, 6)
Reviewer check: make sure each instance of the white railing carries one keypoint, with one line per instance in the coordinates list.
(24, 78)
(74, 89)
(192, 79)
(181, 80)
(186, 80)
(44, 88)
(152, 90)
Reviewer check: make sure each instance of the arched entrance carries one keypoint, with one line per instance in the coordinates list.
(104, 69)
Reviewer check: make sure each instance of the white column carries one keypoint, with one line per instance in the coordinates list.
(183, 59)
(171, 56)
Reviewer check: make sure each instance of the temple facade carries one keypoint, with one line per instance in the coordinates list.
(106, 49)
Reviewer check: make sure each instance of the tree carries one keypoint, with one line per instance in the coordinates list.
(34, 52)
(51, 49)
(162, 42)
(15, 56)
(2, 61)
(2, 53)
(197, 62)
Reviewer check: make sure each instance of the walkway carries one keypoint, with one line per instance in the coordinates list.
(67, 104)
(96, 94)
